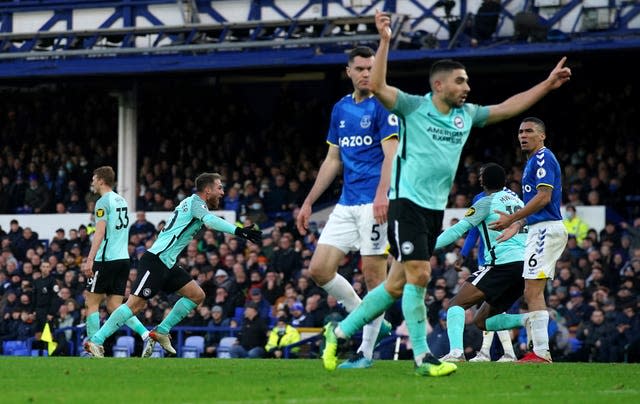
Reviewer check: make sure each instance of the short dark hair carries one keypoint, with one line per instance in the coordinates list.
(362, 51)
(536, 121)
(106, 174)
(205, 179)
(493, 176)
(445, 65)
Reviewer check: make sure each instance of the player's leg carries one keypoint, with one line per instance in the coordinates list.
(92, 303)
(468, 296)
(119, 273)
(374, 268)
(95, 294)
(376, 302)
(146, 286)
(324, 272)
(372, 238)
(545, 244)
(373, 305)
(113, 302)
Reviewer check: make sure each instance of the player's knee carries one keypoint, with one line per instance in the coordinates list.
(480, 323)
(136, 304)
(198, 296)
(320, 274)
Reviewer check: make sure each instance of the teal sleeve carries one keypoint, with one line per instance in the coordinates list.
(214, 222)
(406, 103)
(453, 233)
(480, 115)
(101, 204)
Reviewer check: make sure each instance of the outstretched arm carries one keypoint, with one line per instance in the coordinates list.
(522, 101)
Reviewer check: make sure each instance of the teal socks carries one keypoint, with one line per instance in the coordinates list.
(373, 305)
(415, 315)
(504, 322)
(180, 310)
(93, 324)
(116, 320)
(135, 324)
(455, 327)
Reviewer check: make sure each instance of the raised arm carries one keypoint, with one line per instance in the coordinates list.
(520, 102)
(385, 93)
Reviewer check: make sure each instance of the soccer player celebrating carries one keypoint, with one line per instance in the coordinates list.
(363, 138)
(158, 270)
(107, 265)
(434, 129)
(499, 283)
(547, 237)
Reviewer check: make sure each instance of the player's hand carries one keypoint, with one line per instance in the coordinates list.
(503, 221)
(302, 221)
(383, 24)
(560, 74)
(380, 208)
(87, 268)
(249, 233)
(508, 233)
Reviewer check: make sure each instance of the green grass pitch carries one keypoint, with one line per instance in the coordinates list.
(171, 380)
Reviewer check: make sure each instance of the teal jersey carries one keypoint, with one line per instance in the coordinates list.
(185, 221)
(429, 148)
(479, 215)
(114, 211)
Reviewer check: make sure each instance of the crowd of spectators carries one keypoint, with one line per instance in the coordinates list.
(266, 179)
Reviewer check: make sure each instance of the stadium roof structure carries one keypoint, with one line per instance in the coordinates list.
(56, 38)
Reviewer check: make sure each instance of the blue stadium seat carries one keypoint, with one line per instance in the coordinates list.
(16, 348)
(193, 346)
(239, 314)
(124, 347)
(158, 351)
(225, 346)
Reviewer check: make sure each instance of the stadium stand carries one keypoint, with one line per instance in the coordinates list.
(203, 103)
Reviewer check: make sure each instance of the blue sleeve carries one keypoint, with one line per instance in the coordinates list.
(546, 175)
(470, 242)
(332, 136)
(453, 233)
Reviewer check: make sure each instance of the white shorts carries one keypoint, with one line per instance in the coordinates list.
(353, 228)
(545, 243)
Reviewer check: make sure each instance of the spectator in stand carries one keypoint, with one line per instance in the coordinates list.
(575, 225)
(252, 336)
(286, 261)
(142, 227)
(281, 336)
(212, 339)
(36, 197)
(264, 308)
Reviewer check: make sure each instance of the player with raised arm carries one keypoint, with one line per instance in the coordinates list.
(107, 265)
(547, 237)
(499, 282)
(363, 137)
(158, 270)
(434, 129)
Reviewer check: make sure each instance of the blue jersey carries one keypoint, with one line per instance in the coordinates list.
(543, 169)
(359, 129)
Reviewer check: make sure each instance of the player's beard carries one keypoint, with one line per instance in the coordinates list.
(214, 203)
